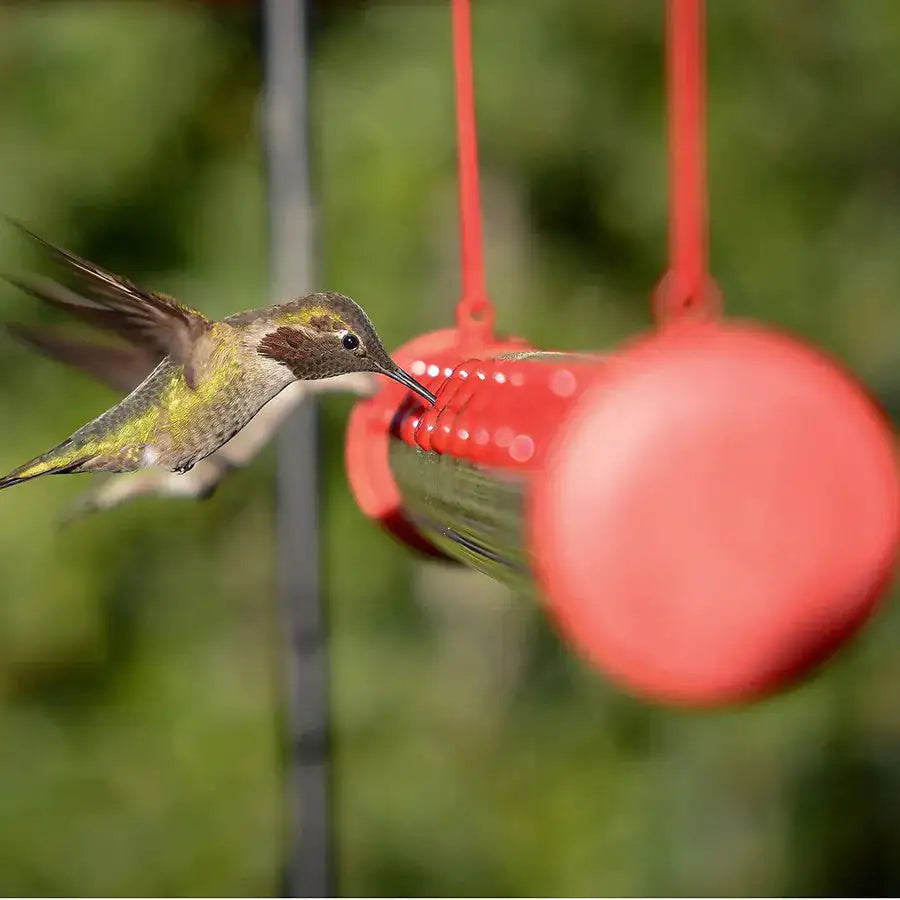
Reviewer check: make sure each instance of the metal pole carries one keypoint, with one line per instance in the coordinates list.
(308, 863)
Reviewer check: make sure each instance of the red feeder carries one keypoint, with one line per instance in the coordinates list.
(708, 512)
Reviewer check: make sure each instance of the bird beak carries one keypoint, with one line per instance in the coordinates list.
(408, 381)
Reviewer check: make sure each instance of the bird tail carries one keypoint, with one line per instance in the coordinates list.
(61, 460)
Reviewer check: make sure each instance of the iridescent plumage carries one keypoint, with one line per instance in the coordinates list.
(210, 378)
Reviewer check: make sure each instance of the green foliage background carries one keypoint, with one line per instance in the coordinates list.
(474, 755)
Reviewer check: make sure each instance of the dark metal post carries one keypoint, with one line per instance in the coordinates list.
(308, 864)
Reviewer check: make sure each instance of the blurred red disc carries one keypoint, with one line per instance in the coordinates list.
(718, 515)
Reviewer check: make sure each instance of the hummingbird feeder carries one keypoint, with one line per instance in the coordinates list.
(707, 512)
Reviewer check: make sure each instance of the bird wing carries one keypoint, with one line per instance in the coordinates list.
(122, 367)
(142, 316)
(55, 294)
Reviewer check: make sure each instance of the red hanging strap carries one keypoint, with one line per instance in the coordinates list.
(686, 290)
(474, 312)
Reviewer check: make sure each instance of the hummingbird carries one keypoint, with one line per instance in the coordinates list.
(211, 377)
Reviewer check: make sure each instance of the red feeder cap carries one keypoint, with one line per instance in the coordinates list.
(368, 431)
(718, 515)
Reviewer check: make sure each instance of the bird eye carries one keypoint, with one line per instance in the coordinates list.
(349, 341)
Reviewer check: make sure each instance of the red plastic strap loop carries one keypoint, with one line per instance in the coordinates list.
(474, 312)
(687, 290)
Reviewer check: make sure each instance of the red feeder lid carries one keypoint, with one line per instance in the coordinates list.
(718, 515)
(428, 357)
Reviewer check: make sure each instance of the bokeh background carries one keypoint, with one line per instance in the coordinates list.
(139, 696)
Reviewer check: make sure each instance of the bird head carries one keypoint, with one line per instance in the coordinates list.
(327, 334)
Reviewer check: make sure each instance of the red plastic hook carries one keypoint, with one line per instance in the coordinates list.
(686, 290)
(474, 312)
